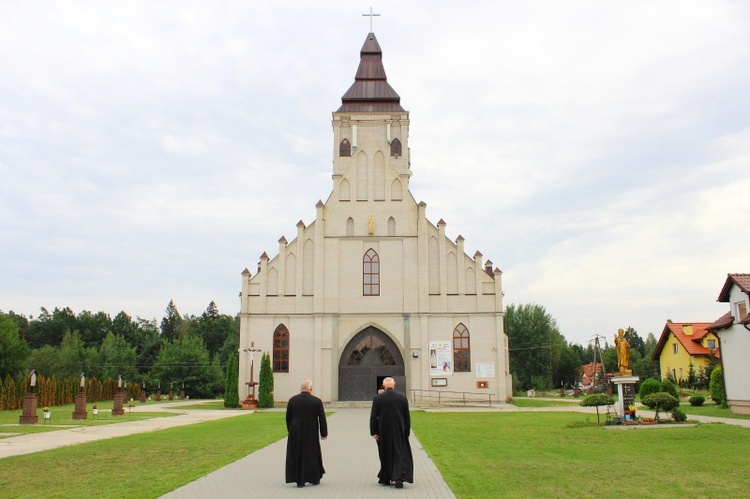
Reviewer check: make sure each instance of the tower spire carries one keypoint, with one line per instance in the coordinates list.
(370, 90)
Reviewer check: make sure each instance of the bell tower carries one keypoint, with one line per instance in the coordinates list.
(371, 135)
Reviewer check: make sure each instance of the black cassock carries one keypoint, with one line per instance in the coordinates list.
(390, 420)
(305, 422)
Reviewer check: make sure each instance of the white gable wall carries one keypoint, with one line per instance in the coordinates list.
(735, 350)
(320, 300)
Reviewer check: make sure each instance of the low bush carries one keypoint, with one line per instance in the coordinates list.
(596, 400)
(678, 415)
(697, 400)
(661, 401)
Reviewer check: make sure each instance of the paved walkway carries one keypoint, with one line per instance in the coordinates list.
(36, 442)
(350, 457)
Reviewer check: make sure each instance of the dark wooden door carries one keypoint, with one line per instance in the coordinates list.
(369, 357)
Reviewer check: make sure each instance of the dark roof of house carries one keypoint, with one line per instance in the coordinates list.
(722, 322)
(742, 281)
(691, 343)
(370, 90)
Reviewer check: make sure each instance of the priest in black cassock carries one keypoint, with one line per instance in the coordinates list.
(305, 421)
(390, 425)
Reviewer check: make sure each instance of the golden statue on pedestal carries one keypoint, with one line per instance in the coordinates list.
(623, 354)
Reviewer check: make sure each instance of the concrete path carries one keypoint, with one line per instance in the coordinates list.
(350, 457)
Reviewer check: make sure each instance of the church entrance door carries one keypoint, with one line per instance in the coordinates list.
(368, 358)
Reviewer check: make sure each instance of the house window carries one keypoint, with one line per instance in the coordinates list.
(345, 148)
(680, 373)
(461, 350)
(741, 311)
(371, 274)
(281, 349)
(711, 345)
(674, 348)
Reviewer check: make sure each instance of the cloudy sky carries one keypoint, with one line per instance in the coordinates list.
(597, 152)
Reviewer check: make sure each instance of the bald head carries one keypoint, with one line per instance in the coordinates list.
(389, 383)
(306, 386)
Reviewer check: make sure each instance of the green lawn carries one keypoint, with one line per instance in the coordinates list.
(564, 455)
(534, 402)
(142, 465)
(710, 409)
(515, 454)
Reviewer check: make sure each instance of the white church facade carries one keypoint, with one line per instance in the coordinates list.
(371, 288)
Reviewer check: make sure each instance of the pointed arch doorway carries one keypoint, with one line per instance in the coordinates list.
(368, 358)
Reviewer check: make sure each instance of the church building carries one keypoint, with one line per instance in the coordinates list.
(371, 287)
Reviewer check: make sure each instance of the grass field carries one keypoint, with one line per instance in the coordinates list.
(508, 454)
(142, 465)
(564, 455)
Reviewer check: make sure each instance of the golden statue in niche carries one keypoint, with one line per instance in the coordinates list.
(371, 225)
(623, 353)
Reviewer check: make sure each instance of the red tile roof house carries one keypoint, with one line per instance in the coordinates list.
(587, 376)
(682, 344)
(733, 331)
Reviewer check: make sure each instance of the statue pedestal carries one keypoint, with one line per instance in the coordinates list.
(625, 391)
(28, 416)
(117, 409)
(250, 402)
(80, 410)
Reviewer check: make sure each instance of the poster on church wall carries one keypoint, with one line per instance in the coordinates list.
(485, 369)
(440, 358)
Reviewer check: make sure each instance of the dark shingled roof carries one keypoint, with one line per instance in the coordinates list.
(370, 90)
(742, 281)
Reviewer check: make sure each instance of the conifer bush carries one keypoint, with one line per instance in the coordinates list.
(231, 393)
(265, 382)
(697, 400)
(648, 387)
(668, 386)
(660, 401)
(716, 386)
(596, 400)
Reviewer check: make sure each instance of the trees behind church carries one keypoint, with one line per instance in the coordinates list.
(183, 350)
(542, 359)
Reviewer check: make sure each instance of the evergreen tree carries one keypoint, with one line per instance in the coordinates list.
(231, 394)
(171, 322)
(533, 339)
(265, 382)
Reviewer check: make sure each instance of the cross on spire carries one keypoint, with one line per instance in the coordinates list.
(370, 15)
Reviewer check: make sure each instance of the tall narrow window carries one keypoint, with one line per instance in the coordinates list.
(281, 349)
(345, 148)
(371, 274)
(461, 350)
(396, 148)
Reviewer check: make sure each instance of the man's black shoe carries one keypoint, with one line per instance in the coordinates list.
(300, 485)
(399, 485)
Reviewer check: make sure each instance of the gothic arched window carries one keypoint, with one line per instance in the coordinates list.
(461, 350)
(345, 148)
(396, 147)
(371, 274)
(281, 349)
